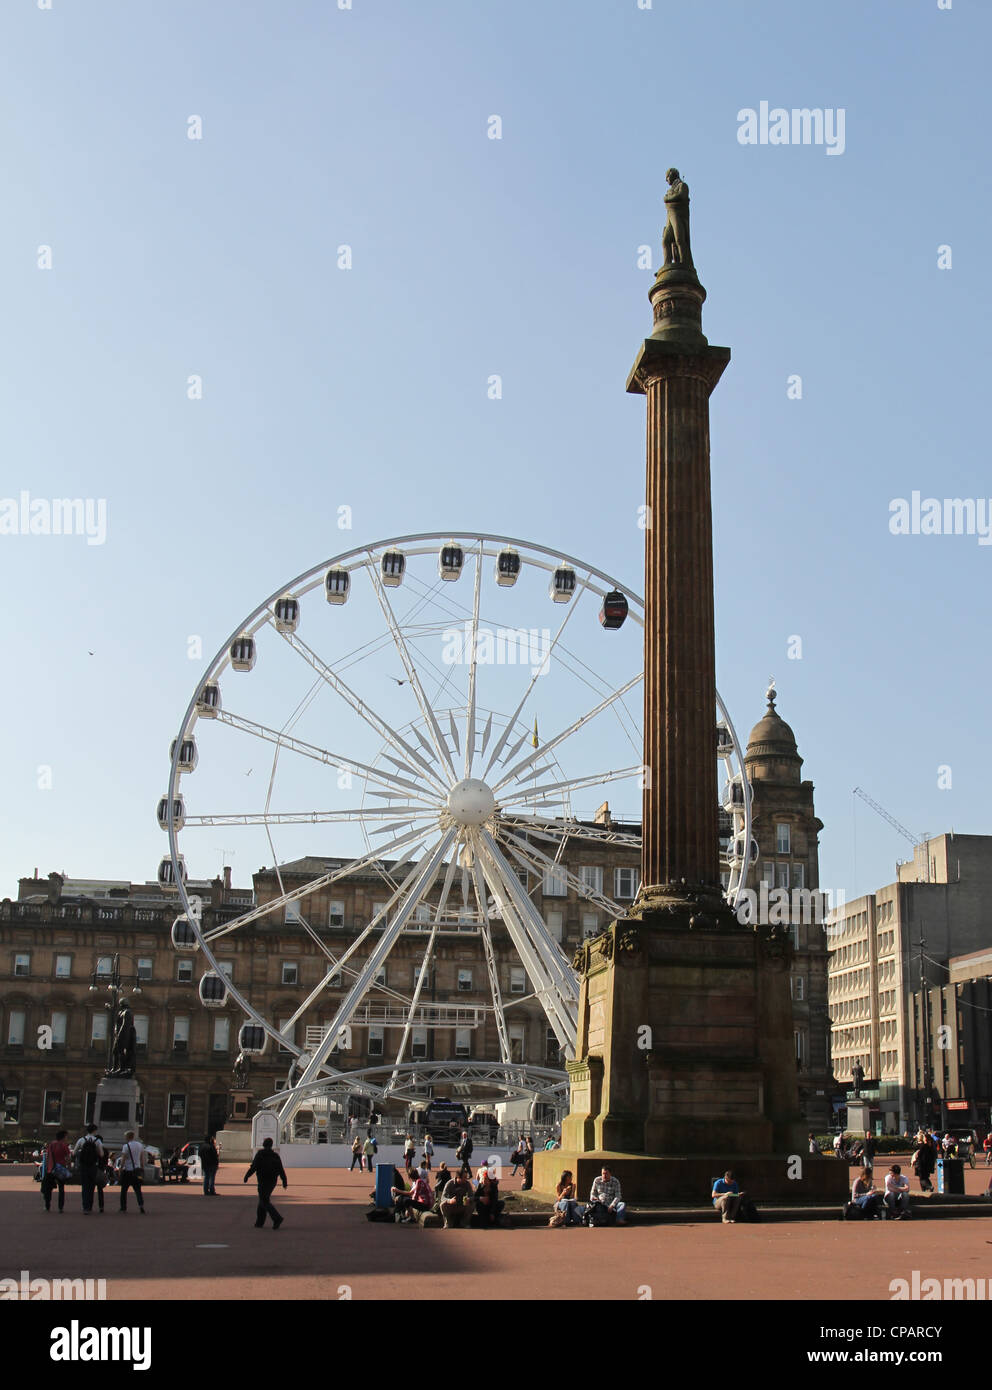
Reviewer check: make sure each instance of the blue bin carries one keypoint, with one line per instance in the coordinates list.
(384, 1185)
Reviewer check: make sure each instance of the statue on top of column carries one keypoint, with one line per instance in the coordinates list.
(675, 237)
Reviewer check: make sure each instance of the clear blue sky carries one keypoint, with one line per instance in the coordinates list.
(472, 256)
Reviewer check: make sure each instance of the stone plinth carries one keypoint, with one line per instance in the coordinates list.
(116, 1108)
(685, 1042)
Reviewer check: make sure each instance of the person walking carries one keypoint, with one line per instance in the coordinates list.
(132, 1169)
(55, 1169)
(464, 1151)
(102, 1172)
(429, 1152)
(368, 1149)
(268, 1170)
(209, 1163)
(356, 1154)
(923, 1164)
(409, 1149)
(88, 1153)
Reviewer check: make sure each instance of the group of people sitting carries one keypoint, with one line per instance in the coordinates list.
(605, 1207)
(892, 1203)
(455, 1197)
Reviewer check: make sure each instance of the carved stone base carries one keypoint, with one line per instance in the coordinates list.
(685, 1042)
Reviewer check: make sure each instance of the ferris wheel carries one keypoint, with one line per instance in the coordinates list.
(439, 715)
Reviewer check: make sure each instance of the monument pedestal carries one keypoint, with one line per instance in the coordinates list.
(116, 1108)
(859, 1116)
(235, 1137)
(685, 1059)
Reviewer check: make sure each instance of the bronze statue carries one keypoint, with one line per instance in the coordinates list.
(242, 1070)
(858, 1078)
(675, 237)
(124, 1043)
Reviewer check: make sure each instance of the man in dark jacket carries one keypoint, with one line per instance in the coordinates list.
(268, 1170)
(209, 1163)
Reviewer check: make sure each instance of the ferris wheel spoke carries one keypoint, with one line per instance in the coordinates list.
(426, 709)
(473, 665)
(557, 827)
(570, 784)
(412, 1012)
(409, 813)
(337, 761)
(536, 672)
(423, 877)
(414, 878)
(322, 881)
(363, 710)
(490, 955)
(522, 851)
(567, 733)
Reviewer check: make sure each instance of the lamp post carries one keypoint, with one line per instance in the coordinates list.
(115, 982)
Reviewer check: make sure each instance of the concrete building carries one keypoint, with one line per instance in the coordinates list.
(939, 898)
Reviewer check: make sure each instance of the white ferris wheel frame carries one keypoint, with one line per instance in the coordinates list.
(553, 982)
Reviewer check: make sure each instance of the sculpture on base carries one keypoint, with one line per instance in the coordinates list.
(858, 1079)
(122, 1062)
(675, 237)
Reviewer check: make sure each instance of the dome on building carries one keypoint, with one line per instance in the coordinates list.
(772, 737)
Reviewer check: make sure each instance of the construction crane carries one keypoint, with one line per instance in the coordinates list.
(914, 840)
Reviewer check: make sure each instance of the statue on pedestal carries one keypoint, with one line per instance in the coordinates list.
(122, 1063)
(242, 1069)
(675, 237)
(858, 1079)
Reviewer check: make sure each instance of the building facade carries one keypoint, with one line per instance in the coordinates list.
(892, 949)
(786, 828)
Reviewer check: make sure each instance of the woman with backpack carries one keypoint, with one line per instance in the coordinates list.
(55, 1169)
(356, 1154)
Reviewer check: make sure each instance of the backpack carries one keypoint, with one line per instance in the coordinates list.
(852, 1212)
(747, 1211)
(88, 1156)
(598, 1214)
(379, 1214)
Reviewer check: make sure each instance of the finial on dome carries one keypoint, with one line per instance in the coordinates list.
(771, 694)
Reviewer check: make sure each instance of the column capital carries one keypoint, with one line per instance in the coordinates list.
(661, 359)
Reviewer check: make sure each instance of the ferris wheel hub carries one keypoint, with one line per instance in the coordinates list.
(471, 802)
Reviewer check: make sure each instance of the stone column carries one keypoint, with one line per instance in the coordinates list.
(676, 370)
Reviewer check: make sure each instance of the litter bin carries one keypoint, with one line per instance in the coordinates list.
(950, 1176)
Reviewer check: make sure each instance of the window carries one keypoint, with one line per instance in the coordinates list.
(555, 923)
(800, 1040)
(463, 1042)
(517, 1035)
(141, 1031)
(590, 876)
(176, 1113)
(783, 839)
(226, 968)
(222, 1034)
(625, 882)
(465, 981)
(768, 874)
(184, 972)
(518, 979)
(335, 913)
(53, 1108)
(63, 967)
(15, 1028)
(380, 976)
(145, 966)
(781, 875)
(334, 980)
(12, 1107)
(799, 875)
(59, 1020)
(376, 909)
(375, 1041)
(290, 972)
(288, 1031)
(555, 885)
(22, 964)
(522, 877)
(418, 1044)
(590, 924)
(104, 967)
(422, 912)
(798, 983)
(98, 1033)
(180, 1034)
(293, 913)
(552, 1049)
